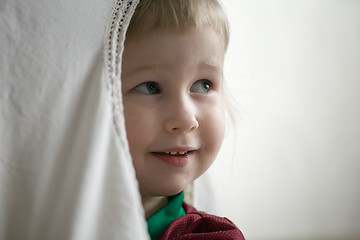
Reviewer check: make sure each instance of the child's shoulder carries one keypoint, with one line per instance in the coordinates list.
(200, 225)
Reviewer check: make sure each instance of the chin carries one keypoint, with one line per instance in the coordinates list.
(173, 190)
(165, 190)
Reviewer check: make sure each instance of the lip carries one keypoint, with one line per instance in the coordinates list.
(174, 160)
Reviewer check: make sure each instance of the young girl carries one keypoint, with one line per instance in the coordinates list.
(172, 83)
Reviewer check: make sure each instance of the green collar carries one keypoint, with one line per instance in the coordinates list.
(159, 221)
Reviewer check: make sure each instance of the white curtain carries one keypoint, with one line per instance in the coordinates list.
(65, 168)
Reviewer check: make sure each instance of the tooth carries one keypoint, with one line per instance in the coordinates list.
(176, 153)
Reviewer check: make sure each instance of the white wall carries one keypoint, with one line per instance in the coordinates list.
(294, 67)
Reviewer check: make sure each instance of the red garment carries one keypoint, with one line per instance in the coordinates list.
(200, 225)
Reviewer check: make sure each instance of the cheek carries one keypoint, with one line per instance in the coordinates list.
(214, 130)
(137, 129)
(142, 126)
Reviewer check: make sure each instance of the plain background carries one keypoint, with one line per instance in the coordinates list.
(294, 170)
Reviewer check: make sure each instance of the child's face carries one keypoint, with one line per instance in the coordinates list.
(172, 95)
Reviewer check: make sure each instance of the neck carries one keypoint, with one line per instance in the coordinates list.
(152, 204)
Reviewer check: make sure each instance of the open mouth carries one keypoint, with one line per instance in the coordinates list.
(175, 159)
(173, 153)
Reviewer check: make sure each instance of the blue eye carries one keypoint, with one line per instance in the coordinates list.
(201, 86)
(148, 88)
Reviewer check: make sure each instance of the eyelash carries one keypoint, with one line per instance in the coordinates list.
(148, 86)
(208, 85)
(151, 88)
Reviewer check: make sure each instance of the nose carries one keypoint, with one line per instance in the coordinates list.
(180, 116)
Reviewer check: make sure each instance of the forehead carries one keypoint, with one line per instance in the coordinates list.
(201, 48)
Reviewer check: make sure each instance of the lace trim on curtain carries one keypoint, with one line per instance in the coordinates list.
(114, 47)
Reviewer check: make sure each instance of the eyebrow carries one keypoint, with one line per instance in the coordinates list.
(213, 67)
(202, 65)
(140, 69)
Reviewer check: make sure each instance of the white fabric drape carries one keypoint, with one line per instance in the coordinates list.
(65, 168)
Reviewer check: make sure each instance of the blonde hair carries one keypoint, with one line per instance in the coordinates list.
(178, 15)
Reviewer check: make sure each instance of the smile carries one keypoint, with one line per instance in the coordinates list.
(176, 159)
(177, 153)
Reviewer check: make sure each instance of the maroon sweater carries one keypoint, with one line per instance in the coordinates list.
(200, 225)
